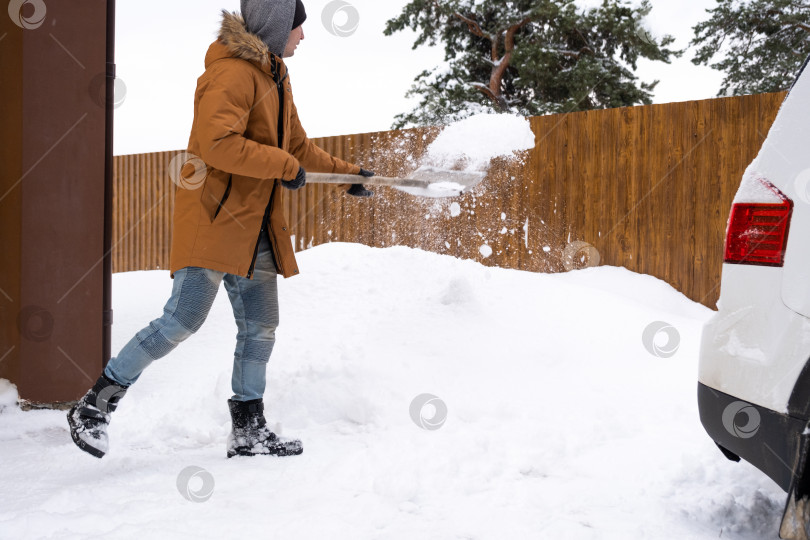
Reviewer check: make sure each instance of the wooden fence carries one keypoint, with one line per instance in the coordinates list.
(648, 188)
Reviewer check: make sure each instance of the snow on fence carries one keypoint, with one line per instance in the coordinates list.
(648, 188)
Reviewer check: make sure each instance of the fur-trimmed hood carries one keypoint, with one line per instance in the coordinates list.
(236, 42)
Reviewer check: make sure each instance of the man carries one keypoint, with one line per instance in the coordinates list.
(231, 228)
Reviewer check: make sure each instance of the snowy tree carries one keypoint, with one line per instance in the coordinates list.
(529, 57)
(761, 43)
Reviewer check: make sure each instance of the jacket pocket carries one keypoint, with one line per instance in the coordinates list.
(224, 198)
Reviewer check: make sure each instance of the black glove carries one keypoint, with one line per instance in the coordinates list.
(298, 183)
(359, 190)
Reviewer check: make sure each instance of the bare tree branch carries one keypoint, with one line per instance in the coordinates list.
(484, 89)
(499, 64)
(500, 68)
(473, 25)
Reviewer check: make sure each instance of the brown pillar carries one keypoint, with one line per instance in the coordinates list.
(53, 151)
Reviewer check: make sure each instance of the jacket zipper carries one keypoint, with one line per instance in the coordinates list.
(270, 235)
(258, 241)
(224, 197)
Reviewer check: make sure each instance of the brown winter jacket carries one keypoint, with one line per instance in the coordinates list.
(235, 133)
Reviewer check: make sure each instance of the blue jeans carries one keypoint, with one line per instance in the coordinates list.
(255, 308)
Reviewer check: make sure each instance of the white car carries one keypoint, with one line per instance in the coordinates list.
(754, 376)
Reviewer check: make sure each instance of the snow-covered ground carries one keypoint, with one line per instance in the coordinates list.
(560, 423)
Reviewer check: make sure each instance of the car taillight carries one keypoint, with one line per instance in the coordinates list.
(758, 232)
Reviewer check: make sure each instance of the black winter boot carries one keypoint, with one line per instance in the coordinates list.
(89, 418)
(250, 435)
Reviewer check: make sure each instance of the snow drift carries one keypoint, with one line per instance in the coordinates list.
(559, 422)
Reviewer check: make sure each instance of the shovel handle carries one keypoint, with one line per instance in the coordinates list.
(334, 178)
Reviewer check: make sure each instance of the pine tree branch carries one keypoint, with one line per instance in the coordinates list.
(484, 89)
(798, 5)
(499, 69)
(499, 65)
(474, 27)
(565, 52)
(575, 54)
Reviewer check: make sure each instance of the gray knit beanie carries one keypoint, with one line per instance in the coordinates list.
(271, 20)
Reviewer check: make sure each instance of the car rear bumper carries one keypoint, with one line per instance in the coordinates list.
(775, 443)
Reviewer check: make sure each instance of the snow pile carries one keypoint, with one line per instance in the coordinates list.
(436, 398)
(472, 143)
(8, 394)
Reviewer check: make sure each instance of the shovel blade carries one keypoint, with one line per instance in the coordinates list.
(442, 182)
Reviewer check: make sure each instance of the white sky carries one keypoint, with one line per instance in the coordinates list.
(342, 85)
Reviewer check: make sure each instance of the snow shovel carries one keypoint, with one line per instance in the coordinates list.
(423, 182)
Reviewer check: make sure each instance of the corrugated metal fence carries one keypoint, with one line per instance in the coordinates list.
(648, 188)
